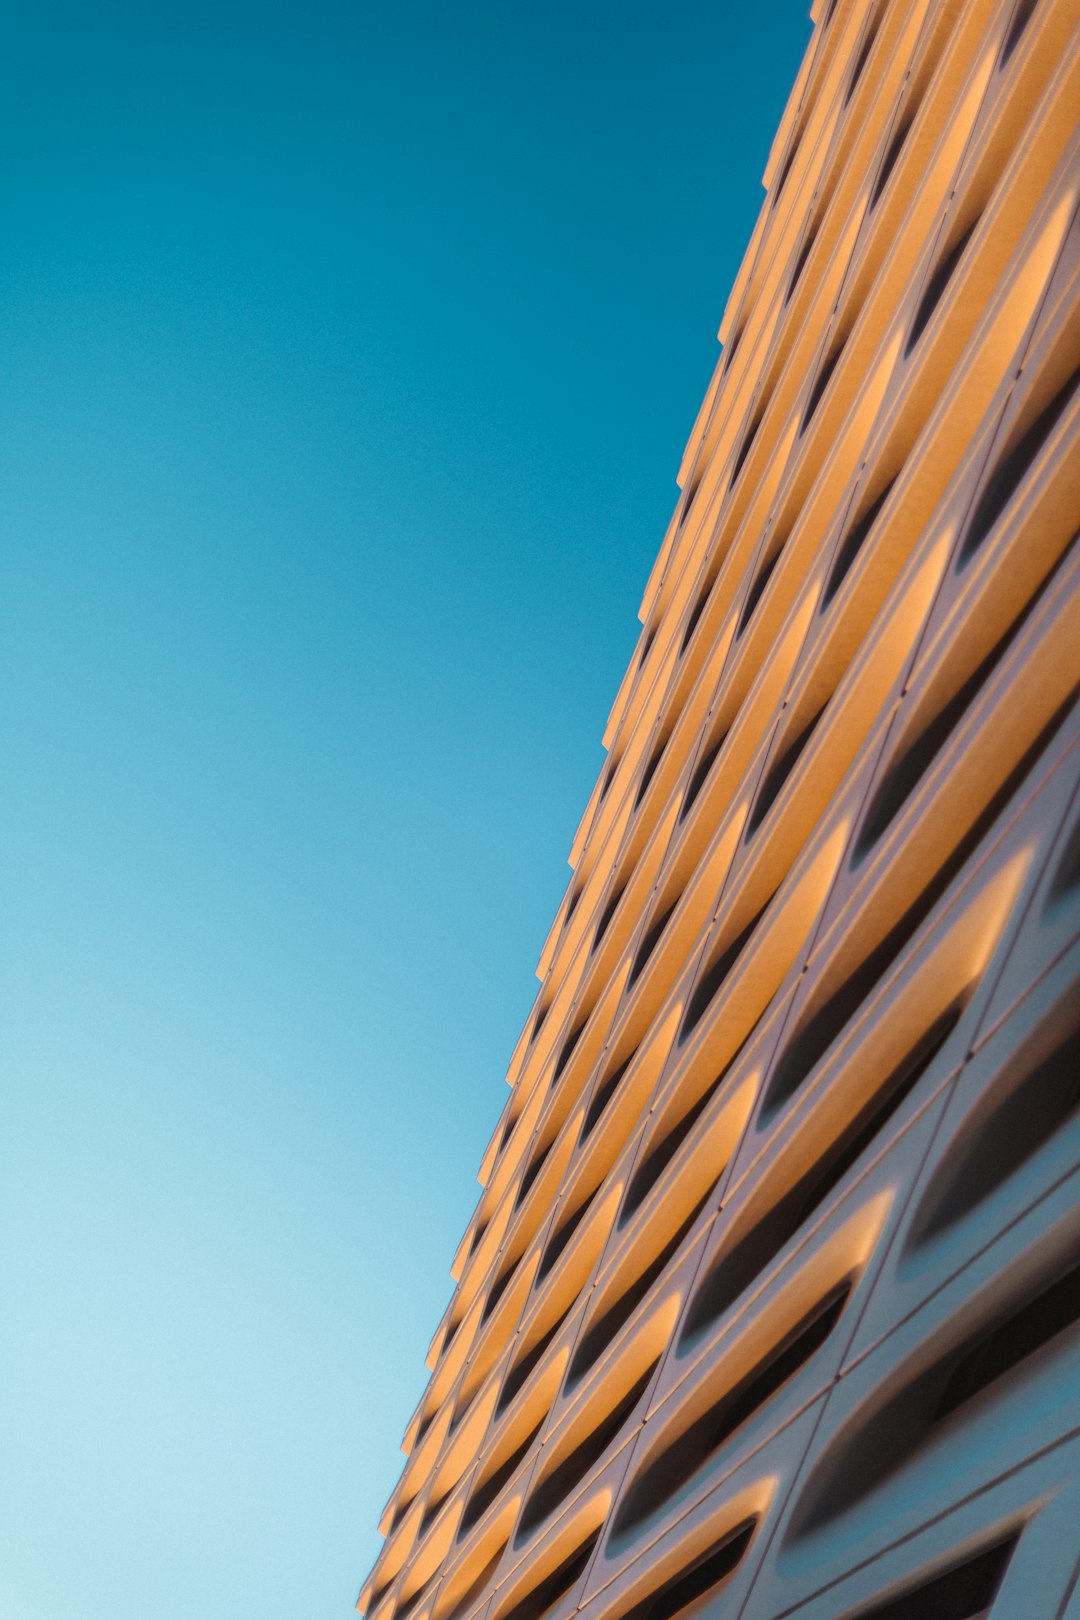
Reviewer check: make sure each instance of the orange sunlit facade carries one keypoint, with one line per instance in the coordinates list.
(771, 1301)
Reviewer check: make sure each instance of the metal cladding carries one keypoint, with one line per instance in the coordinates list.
(771, 1300)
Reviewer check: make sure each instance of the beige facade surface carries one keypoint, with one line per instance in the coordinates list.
(771, 1301)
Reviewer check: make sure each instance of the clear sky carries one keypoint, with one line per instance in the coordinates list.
(349, 354)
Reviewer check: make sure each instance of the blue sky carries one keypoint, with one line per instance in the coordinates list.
(349, 357)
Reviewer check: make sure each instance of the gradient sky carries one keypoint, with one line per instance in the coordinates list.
(350, 352)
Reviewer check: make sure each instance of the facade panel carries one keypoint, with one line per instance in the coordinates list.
(769, 1304)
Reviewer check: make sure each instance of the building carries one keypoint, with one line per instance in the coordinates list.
(770, 1302)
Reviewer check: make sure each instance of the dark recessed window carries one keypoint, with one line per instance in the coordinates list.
(864, 55)
(888, 162)
(1023, 14)
(486, 1492)
(669, 1470)
(965, 1592)
(742, 1261)
(556, 1486)
(603, 1095)
(704, 1577)
(701, 773)
(852, 544)
(709, 982)
(1009, 470)
(746, 446)
(649, 944)
(553, 1587)
(608, 912)
(777, 775)
(821, 382)
(935, 287)
(560, 1238)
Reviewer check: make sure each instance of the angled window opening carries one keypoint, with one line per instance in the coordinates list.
(478, 1236)
(560, 1238)
(701, 773)
(476, 1586)
(935, 287)
(411, 1602)
(1010, 468)
(536, 1164)
(512, 1117)
(712, 978)
(609, 774)
(864, 54)
(603, 1095)
(817, 1030)
(651, 768)
(498, 1289)
(556, 1486)
(570, 1043)
(747, 444)
(399, 1513)
(903, 777)
(964, 1592)
(661, 1153)
(800, 264)
(852, 543)
(744, 1261)
(871, 1451)
(792, 152)
(1038, 1095)
(538, 1022)
(650, 942)
(785, 170)
(379, 1592)
(757, 589)
(691, 494)
(1066, 878)
(451, 1332)
(608, 912)
(1008, 1344)
(602, 1332)
(695, 617)
(553, 1587)
(888, 162)
(777, 775)
(1023, 14)
(732, 347)
(710, 1571)
(488, 1489)
(673, 1467)
(521, 1371)
(821, 382)
(434, 1507)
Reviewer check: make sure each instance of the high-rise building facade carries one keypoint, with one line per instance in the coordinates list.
(770, 1305)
